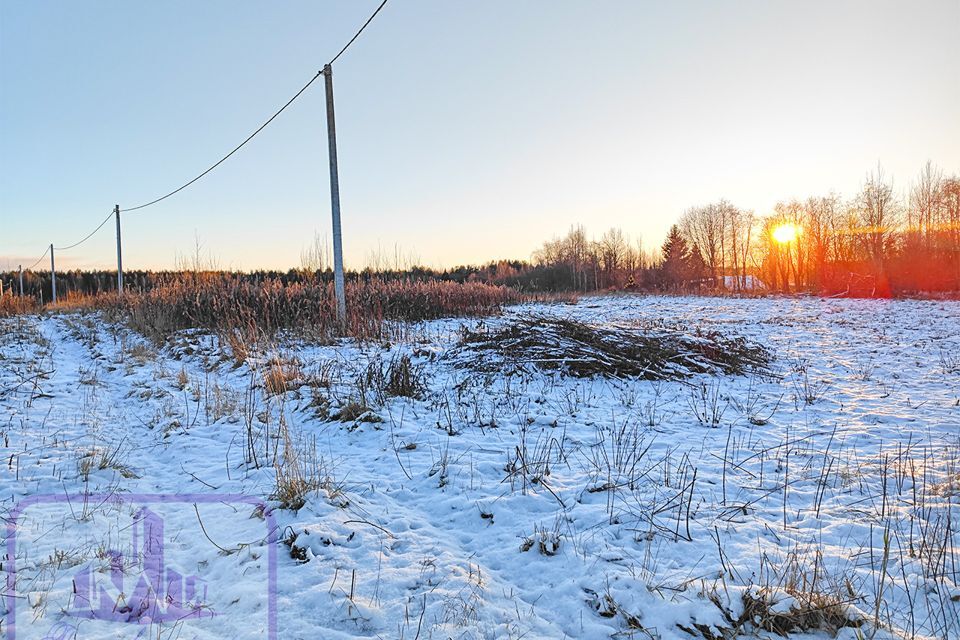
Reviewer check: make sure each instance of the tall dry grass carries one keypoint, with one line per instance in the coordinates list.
(15, 305)
(226, 303)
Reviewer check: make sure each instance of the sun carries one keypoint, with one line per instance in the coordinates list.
(786, 233)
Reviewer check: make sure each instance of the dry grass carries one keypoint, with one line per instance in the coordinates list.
(102, 458)
(15, 305)
(398, 377)
(230, 304)
(810, 611)
(282, 375)
(300, 472)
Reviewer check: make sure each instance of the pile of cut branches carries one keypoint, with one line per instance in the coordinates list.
(583, 350)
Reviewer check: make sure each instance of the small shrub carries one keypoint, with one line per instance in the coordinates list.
(404, 378)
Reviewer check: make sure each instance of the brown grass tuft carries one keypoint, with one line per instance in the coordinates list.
(282, 375)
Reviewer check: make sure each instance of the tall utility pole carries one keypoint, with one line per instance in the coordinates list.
(53, 276)
(335, 203)
(116, 213)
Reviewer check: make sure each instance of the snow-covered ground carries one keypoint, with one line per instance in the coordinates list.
(525, 506)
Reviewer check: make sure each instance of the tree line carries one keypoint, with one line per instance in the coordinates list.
(876, 243)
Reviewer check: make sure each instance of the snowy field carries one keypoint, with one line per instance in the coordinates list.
(193, 490)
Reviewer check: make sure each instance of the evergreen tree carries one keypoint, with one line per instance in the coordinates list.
(676, 259)
(697, 270)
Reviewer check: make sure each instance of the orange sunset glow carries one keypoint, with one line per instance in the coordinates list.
(786, 233)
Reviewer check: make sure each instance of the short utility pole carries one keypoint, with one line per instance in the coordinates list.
(335, 204)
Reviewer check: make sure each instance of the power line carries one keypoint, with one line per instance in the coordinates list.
(88, 236)
(224, 158)
(357, 34)
(30, 268)
(264, 125)
(235, 149)
(72, 246)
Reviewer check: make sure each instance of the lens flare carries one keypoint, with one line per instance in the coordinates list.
(786, 233)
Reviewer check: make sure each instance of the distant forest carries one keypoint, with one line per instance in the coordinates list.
(876, 243)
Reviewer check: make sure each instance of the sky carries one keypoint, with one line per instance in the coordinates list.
(467, 131)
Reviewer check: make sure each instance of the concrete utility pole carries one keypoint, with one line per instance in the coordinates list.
(116, 213)
(53, 276)
(20, 271)
(335, 203)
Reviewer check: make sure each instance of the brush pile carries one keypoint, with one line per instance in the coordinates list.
(583, 350)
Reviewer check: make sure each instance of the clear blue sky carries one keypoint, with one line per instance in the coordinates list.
(468, 130)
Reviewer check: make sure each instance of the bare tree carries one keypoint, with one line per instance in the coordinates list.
(702, 226)
(613, 248)
(951, 222)
(572, 252)
(878, 211)
(924, 214)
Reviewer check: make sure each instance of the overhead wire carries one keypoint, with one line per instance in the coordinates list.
(88, 236)
(357, 34)
(30, 268)
(224, 158)
(264, 125)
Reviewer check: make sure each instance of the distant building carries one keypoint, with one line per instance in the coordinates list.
(747, 283)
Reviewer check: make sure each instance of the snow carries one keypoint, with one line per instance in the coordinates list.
(494, 506)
